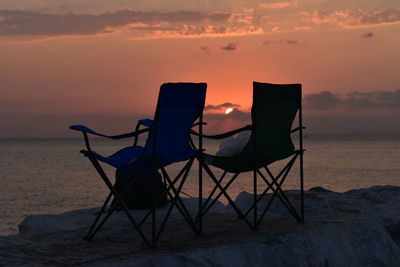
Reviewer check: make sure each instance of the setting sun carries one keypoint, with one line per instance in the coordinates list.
(228, 110)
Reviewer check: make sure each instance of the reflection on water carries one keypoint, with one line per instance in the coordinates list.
(51, 176)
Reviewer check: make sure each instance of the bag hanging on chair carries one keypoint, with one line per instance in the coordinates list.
(147, 191)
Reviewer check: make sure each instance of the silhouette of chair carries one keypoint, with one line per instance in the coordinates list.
(273, 112)
(179, 106)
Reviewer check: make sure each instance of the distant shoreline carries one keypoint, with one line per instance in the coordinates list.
(310, 136)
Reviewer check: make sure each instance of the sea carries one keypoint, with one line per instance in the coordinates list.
(49, 176)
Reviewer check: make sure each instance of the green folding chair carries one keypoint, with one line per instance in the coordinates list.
(273, 113)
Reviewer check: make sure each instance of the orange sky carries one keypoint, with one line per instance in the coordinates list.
(72, 59)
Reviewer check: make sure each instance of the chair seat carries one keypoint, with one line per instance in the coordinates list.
(122, 157)
(241, 163)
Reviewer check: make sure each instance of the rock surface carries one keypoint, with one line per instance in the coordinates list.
(356, 228)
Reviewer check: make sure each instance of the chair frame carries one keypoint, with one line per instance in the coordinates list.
(275, 185)
(172, 190)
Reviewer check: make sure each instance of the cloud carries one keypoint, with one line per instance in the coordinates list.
(373, 100)
(292, 42)
(367, 35)
(236, 115)
(378, 17)
(353, 101)
(374, 112)
(284, 42)
(221, 106)
(277, 5)
(321, 101)
(325, 101)
(357, 18)
(239, 115)
(31, 23)
(193, 31)
(204, 48)
(230, 47)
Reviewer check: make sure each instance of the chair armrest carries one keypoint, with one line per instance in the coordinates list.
(297, 129)
(198, 123)
(146, 122)
(224, 135)
(86, 130)
(149, 123)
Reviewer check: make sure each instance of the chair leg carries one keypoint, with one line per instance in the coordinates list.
(153, 228)
(289, 206)
(302, 186)
(279, 192)
(165, 191)
(119, 200)
(111, 209)
(200, 207)
(268, 187)
(208, 205)
(255, 200)
(215, 188)
(180, 205)
(260, 197)
(176, 200)
(231, 202)
(98, 217)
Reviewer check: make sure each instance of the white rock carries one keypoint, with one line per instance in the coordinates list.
(356, 228)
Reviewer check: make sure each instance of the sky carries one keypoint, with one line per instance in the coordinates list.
(101, 63)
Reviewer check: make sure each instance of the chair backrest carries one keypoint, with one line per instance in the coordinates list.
(179, 106)
(273, 112)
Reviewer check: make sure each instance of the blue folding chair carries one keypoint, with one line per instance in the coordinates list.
(179, 106)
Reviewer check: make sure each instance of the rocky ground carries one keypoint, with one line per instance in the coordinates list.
(357, 228)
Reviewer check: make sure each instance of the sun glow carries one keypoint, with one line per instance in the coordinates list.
(228, 110)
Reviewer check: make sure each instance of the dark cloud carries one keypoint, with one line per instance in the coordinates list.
(356, 100)
(230, 47)
(321, 101)
(221, 106)
(31, 23)
(373, 100)
(352, 122)
(367, 35)
(368, 120)
(236, 115)
(239, 115)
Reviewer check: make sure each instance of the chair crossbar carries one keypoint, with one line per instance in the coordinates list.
(267, 189)
(174, 199)
(205, 210)
(215, 189)
(223, 192)
(279, 189)
(119, 199)
(165, 191)
(181, 207)
(99, 213)
(281, 196)
(274, 181)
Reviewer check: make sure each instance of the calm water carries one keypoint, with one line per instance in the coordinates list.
(50, 176)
